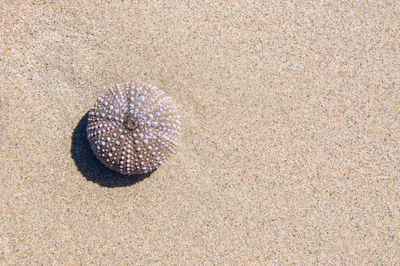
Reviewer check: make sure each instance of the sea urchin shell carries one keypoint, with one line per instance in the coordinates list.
(133, 128)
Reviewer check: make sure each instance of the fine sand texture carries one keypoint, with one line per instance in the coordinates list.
(289, 151)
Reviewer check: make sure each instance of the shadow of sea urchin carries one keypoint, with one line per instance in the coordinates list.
(133, 128)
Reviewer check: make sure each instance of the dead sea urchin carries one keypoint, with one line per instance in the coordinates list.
(133, 128)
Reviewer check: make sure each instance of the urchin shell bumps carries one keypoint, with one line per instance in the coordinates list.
(133, 128)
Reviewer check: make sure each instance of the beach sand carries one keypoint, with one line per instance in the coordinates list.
(289, 150)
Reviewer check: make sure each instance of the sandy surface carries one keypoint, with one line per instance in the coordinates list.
(290, 144)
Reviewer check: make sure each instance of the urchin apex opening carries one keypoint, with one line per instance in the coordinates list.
(130, 123)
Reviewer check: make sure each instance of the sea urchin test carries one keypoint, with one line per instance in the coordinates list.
(133, 128)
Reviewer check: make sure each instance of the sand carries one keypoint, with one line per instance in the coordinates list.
(290, 132)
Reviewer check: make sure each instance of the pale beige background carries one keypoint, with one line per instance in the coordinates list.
(290, 144)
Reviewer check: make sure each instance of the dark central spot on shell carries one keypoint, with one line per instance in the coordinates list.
(130, 123)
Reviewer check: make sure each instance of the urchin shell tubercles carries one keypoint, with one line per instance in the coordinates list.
(133, 128)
